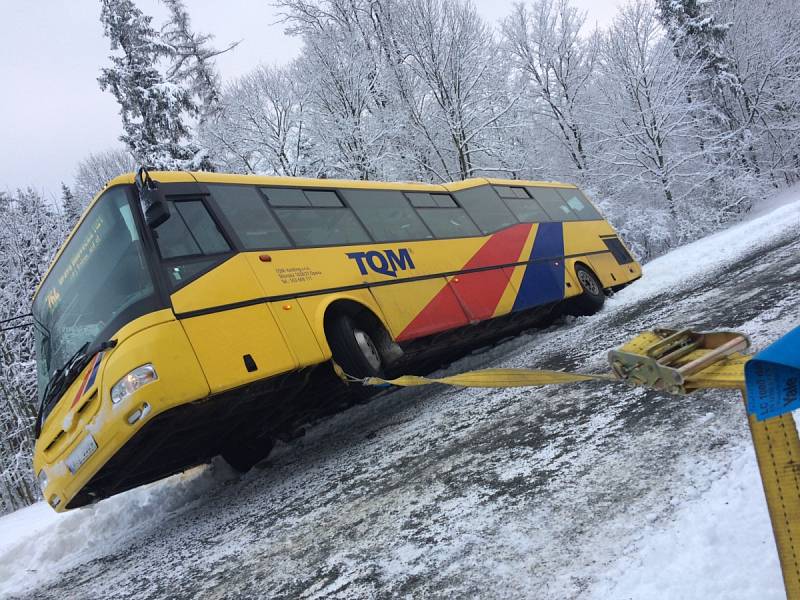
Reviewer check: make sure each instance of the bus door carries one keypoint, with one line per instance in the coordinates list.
(267, 250)
(283, 277)
(216, 297)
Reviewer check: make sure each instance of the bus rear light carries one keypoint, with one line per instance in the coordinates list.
(137, 378)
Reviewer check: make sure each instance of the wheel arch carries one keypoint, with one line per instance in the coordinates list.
(349, 304)
(586, 265)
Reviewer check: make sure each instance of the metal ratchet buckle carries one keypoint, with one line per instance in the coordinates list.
(665, 364)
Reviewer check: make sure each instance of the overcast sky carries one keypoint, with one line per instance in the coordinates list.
(52, 112)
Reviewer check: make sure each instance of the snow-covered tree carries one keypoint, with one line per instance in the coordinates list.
(261, 127)
(647, 123)
(98, 168)
(762, 49)
(556, 61)
(192, 59)
(156, 113)
(30, 235)
(70, 206)
(456, 61)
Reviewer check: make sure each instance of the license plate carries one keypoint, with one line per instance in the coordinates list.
(81, 454)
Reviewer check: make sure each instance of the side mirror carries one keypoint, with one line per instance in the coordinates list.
(154, 206)
(156, 213)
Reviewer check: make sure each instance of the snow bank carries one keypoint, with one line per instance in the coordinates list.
(51, 542)
(23, 525)
(699, 259)
(719, 545)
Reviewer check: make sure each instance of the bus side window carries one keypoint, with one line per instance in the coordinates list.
(249, 217)
(189, 241)
(322, 227)
(553, 204)
(524, 207)
(580, 205)
(486, 208)
(442, 215)
(387, 215)
(448, 222)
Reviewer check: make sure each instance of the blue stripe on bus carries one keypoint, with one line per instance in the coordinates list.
(543, 282)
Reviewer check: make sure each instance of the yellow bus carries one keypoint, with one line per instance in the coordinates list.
(187, 312)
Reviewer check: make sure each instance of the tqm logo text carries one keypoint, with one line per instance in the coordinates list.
(386, 262)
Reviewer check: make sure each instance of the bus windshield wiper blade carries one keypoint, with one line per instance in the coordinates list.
(64, 376)
(58, 382)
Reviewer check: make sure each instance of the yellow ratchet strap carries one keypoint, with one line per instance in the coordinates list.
(493, 378)
(679, 362)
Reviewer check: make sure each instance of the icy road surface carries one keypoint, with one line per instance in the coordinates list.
(595, 490)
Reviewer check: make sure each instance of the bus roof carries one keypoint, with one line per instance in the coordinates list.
(271, 180)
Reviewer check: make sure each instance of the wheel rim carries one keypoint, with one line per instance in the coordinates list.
(589, 283)
(368, 349)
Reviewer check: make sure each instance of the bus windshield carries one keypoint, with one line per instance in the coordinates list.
(100, 282)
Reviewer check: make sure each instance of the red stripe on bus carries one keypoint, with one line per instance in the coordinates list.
(82, 389)
(440, 314)
(481, 292)
(478, 293)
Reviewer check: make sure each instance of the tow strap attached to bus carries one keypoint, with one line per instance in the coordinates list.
(679, 362)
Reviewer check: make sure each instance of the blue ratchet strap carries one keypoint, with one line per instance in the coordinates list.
(772, 378)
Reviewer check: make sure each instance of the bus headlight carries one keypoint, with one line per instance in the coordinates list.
(42, 477)
(137, 378)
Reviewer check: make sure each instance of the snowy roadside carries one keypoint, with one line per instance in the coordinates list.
(719, 544)
(731, 543)
(37, 542)
(702, 257)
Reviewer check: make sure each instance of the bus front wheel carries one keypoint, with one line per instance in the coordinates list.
(593, 296)
(355, 347)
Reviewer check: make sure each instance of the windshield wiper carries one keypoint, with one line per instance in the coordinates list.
(58, 382)
(63, 378)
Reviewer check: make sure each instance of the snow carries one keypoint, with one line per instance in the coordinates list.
(22, 526)
(698, 259)
(718, 545)
(46, 541)
(704, 532)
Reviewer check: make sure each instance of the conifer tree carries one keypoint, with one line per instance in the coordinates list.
(70, 205)
(155, 112)
(192, 59)
(31, 233)
(692, 25)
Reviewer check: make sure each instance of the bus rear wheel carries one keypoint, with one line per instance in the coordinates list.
(243, 454)
(593, 296)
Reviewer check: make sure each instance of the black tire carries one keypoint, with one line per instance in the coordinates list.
(593, 296)
(243, 455)
(354, 347)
